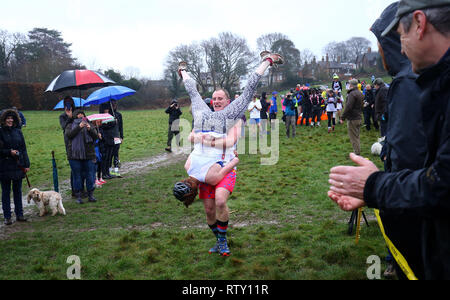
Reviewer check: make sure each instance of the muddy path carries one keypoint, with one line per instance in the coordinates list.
(128, 169)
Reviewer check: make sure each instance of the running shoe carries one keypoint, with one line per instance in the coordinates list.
(102, 181)
(223, 247)
(214, 249)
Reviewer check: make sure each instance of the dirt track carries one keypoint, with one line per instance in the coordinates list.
(128, 169)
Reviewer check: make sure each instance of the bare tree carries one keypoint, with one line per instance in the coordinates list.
(8, 44)
(193, 55)
(213, 59)
(265, 42)
(236, 59)
(357, 46)
(306, 56)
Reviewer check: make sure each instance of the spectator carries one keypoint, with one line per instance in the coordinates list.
(22, 118)
(331, 110)
(174, 112)
(316, 108)
(339, 106)
(264, 110)
(352, 113)
(306, 108)
(336, 85)
(273, 110)
(369, 104)
(381, 104)
(254, 107)
(424, 29)
(64, 119)
(110, 132)
(291, 122)
(118, 139)
(14, 163)
(81, 153)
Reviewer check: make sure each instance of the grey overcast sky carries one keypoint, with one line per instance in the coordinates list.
(135, 36)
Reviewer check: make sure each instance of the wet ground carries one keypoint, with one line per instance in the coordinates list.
(128, 169)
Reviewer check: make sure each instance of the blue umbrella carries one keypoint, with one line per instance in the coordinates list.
(109, 93)
(77, 101)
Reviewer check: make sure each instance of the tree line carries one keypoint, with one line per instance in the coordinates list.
(42, 54)
(226, 58)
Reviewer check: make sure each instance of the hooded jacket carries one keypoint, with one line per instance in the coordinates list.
(414, 208)
(73, 131)
(11, 138)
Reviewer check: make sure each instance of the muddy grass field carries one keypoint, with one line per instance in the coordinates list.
(282, 224)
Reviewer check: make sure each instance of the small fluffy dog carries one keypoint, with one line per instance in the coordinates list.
(51, 199)
(376, 148)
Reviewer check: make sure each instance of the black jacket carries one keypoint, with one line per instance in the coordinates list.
(63, 121)
(425, 192)
(405, 146)
(380, 102)
(174, 113)
(119, 121)
(265, 107)
(72, 132)
(11, 138)
(369, 97)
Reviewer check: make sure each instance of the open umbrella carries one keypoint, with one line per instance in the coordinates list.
(79, 102)
(78, 79)
(109, 93)
(105, 118)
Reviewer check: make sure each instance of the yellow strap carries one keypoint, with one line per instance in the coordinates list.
(397, 255)
(358, 225)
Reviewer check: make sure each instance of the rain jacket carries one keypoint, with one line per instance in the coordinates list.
(11, 138)
(73, 131)
(414, 196)
(354, 106)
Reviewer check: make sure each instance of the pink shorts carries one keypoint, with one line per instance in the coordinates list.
(207, 191)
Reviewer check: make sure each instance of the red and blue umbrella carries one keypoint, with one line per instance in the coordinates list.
(78, 79)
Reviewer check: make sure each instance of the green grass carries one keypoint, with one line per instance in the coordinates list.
(282, 225)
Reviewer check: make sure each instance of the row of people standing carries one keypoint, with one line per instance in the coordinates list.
(90, 148)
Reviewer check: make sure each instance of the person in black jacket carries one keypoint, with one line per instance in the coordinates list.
(64, 119)
(316, 108)
(423, 193)
(82, 135)
(110, 132)
(264, 117)
(369, 105)
(306, 108)
(174, 112)
(14, 163)
(381, 116)
(118, 139)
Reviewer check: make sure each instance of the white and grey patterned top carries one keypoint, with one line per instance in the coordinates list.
(220, 122)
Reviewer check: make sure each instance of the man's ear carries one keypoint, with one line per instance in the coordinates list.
(420, 23)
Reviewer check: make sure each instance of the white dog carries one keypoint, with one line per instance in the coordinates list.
(376, 148)
(51, 199)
